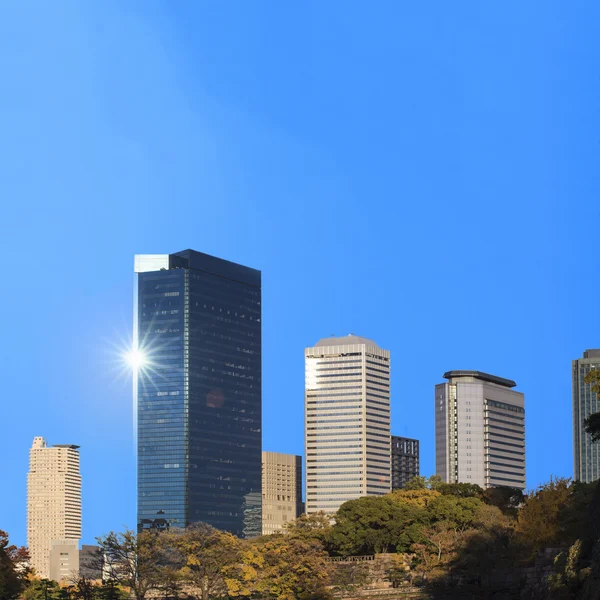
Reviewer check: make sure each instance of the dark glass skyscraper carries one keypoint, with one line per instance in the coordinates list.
(198, 328)
(405, 461)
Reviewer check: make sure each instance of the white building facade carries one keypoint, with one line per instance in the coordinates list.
(347, 422)
(53, 500)
(480, 430)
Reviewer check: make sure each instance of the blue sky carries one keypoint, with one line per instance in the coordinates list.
(421, 173)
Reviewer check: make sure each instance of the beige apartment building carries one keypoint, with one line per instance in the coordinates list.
(347, 422)
(53, 501)
(281, 490)
(480, 430)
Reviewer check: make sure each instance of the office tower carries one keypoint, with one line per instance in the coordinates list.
(64, 559)
(405, 460)
(53, 500)
(197, 330)
(281, 490)
(586, 454)
(347, 421)
(479, 430)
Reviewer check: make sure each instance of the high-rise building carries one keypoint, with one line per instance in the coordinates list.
(586, 454)
(480, 430)
(281, 490)
(53, 500)
(347, 421)
(197, 332)
(405, 461)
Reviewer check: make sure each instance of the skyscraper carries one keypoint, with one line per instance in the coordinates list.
(586, 454)
(198, 334)
(281, 490)
(480, 430)
(405, 461)
(347, 421)
(53, 500)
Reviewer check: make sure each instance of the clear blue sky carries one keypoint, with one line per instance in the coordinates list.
(422, 173)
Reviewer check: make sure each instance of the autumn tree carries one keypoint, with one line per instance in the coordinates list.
(130, 560)
(13, 568)
(283, 567)
(315, 526)
(539, 524)
(204, 558)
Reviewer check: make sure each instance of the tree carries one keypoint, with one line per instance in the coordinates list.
(204, 558)
(372, 524)
(316, 526)
(44, 589)
(419, 482)
(283, 567)
(539, 523)
(82, 588)
(461, 490)
(507, 499)
(420, 497)
(13, 568)
(592, 423)
(457, 512)
(131, 560)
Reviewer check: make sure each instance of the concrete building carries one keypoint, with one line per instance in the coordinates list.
(53, 500)
(347, 421)
(586, 454)
(405, 461)
(197, 331)
(64, 559)
(281, 490)
(480, 430)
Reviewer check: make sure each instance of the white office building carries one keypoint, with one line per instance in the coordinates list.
(347, 422)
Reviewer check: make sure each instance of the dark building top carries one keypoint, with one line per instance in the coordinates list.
(591, 353)
(73, 446)
(509, 383)
(191, 259)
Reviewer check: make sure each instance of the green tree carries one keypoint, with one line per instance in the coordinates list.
(418, 482)
(458, 513)
(13, 568)
(507, 499)
(461, 490)
(372, 524)
(44, 589)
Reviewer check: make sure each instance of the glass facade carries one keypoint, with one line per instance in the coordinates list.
(199, 393)
(405, 461)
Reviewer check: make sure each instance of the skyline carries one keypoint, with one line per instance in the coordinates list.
(428, 182)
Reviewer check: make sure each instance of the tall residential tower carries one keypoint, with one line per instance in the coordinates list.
(198, 333)
(53, 500)
(586, 454)
(347, 421)
(479, 430)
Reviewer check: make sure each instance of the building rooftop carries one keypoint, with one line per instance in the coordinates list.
(592, 353)
(481, 376)
(347, 340)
